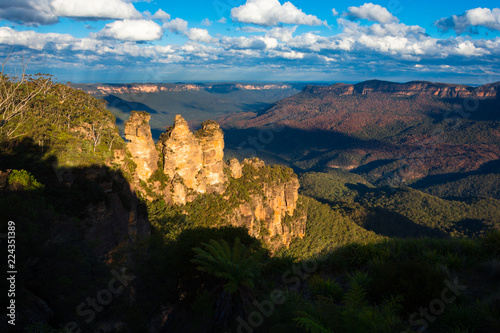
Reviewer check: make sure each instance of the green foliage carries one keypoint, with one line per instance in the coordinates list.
(448, 216)
(235, 265)
(64, 122)
(23, 180)
(309, 323)
(332, 186)
(168, 221)
(355, 297)
(326, 230)
(359, 278)
(491, 243)
(159, 175)
(213, 209)
(194, 237)
(401, 212)
(482, 185)
(326, 287)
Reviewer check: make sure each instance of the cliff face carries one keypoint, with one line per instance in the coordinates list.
(424, 88)
(141, 145)
(193, 165)
(102, 89)
(270, 214)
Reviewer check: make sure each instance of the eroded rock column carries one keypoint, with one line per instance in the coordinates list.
(141, 145)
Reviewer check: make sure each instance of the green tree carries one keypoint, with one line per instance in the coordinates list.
(236, 266)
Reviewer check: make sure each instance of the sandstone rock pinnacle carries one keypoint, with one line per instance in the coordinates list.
(141, 145)
(197, 158)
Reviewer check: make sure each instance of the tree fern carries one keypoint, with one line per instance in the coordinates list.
(355, 298)
(236, 266)
(310, 323)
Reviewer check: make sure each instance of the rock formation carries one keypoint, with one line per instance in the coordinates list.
(141, 145)
(265, 214)
(193, 164)
(211, 139)
(182, 153)
(197, 158)
(235, 167)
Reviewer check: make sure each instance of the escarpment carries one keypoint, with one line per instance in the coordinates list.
(184, 166)
(413, 88)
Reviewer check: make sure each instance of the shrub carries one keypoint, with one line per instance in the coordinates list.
(23, 180)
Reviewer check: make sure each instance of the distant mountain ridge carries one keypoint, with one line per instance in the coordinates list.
(375, 128)
(134, 88)
(196, 102)
(441, 90)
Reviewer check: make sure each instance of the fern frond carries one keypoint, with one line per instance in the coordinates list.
(355, 298)
(310, 324)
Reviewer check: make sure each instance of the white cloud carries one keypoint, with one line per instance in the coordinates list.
(95, 9)
(484, 17)
(161, 15)
(222, 20)
(201, 50)
(29, 12)
(271, 12)
(292, 55)
(206, 22)
(283, 34)
(33, 40)
(335, 12)
(131, 30)
(394, 40)
(358, 48)
(395, 29)
(371, 12)
(467, 48)
(249, 43)
(251, 29)
(177, 25)
(200, 35)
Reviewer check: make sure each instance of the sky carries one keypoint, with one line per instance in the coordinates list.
(124, 41)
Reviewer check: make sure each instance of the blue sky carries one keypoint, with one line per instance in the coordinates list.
(125, 41)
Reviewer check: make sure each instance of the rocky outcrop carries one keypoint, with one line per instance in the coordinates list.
(182, 153)
(264, 199)
(141, 145)
(235, 168)
(271, 214)
(197, 158)
(211, 140)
